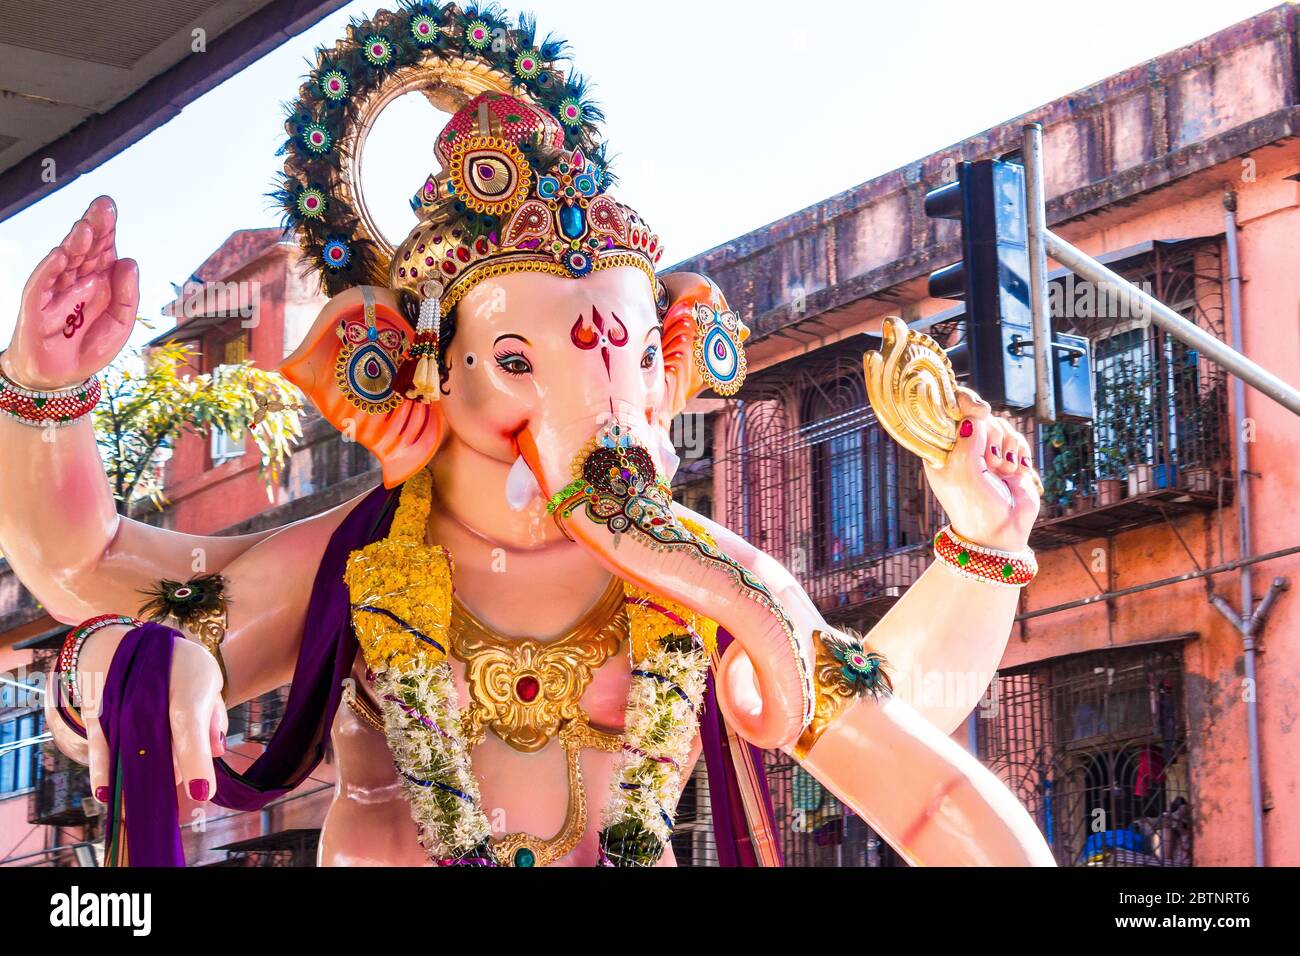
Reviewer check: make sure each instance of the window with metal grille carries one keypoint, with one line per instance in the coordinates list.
(1161, 408)
(19, 752)
(693, 840)
(813, 827)
(805, 473)
(224, 446)
(855, 476)
(255, 720)
(1095, 746)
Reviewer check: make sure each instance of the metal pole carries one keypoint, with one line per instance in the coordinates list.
(25, 743)
(1152, 585)
(21, 685)
(742, 491)
(1139, 303)
(1244, 533)
(1036, 214)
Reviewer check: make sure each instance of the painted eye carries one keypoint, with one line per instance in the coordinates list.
(648, 359)
(513, 364)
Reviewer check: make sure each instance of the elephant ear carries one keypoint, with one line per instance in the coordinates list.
(697, 312)
(348, 375)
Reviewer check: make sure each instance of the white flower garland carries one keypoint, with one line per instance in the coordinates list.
(423, 728)
(661, 722)
(422, 724)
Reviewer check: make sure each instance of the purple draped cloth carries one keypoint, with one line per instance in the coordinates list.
(136, 702)
(138, 734)
(732, 826)
(136, 726)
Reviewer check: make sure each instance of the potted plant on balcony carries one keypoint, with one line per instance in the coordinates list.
(1204, 441)
(1112, 477)
(1067, 478)
(1129, 420)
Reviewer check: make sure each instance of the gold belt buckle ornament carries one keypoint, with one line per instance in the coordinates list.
(526, 850)
(913, 391)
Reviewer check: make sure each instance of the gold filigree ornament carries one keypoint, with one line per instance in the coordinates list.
(198, 606)
(913, 391)
(523, 689)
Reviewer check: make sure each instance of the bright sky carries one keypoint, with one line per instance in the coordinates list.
(723, 116)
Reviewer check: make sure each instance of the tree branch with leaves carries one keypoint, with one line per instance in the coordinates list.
(149, 400)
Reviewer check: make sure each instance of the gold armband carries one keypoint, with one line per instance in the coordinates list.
(845, 670)
(197, 605)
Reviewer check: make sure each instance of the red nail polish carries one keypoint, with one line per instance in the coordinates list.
(966, 428)
(101, 794)
(1025, 462)
(199, 790)
(1011, 457)
(996, 453)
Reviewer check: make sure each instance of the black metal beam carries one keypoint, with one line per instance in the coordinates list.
(101, 137)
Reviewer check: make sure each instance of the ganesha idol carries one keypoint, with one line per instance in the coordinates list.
(519, 646)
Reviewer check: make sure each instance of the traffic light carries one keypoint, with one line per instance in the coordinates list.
(993, 277)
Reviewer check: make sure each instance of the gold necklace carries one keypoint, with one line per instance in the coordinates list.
(524, 689)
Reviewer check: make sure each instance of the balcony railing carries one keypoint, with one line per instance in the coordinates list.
(1159, 445)
(282, 848)
(256, 720)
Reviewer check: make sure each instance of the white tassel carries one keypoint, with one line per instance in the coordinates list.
(426, 382)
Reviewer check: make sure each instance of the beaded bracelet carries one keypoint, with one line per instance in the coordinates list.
(1008, 568)
(54, 408)
(70, 653)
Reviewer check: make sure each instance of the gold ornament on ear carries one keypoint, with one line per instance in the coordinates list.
(719, 348)
(913, 391)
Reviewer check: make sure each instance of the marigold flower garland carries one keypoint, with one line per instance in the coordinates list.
(401, 611)
(400, 591)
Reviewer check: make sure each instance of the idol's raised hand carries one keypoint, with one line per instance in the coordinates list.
(78, 307)
(988, 485)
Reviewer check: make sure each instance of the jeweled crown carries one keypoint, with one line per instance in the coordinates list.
(522, 186)
(523, 180)
(513, 197)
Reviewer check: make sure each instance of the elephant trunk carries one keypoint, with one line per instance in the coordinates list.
(637, 536)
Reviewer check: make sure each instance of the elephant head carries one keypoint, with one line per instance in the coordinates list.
(537, 371)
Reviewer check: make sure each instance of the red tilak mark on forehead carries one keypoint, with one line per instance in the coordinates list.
(587, 335)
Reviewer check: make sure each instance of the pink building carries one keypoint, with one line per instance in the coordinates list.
(251, 302)
(1122, 712)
